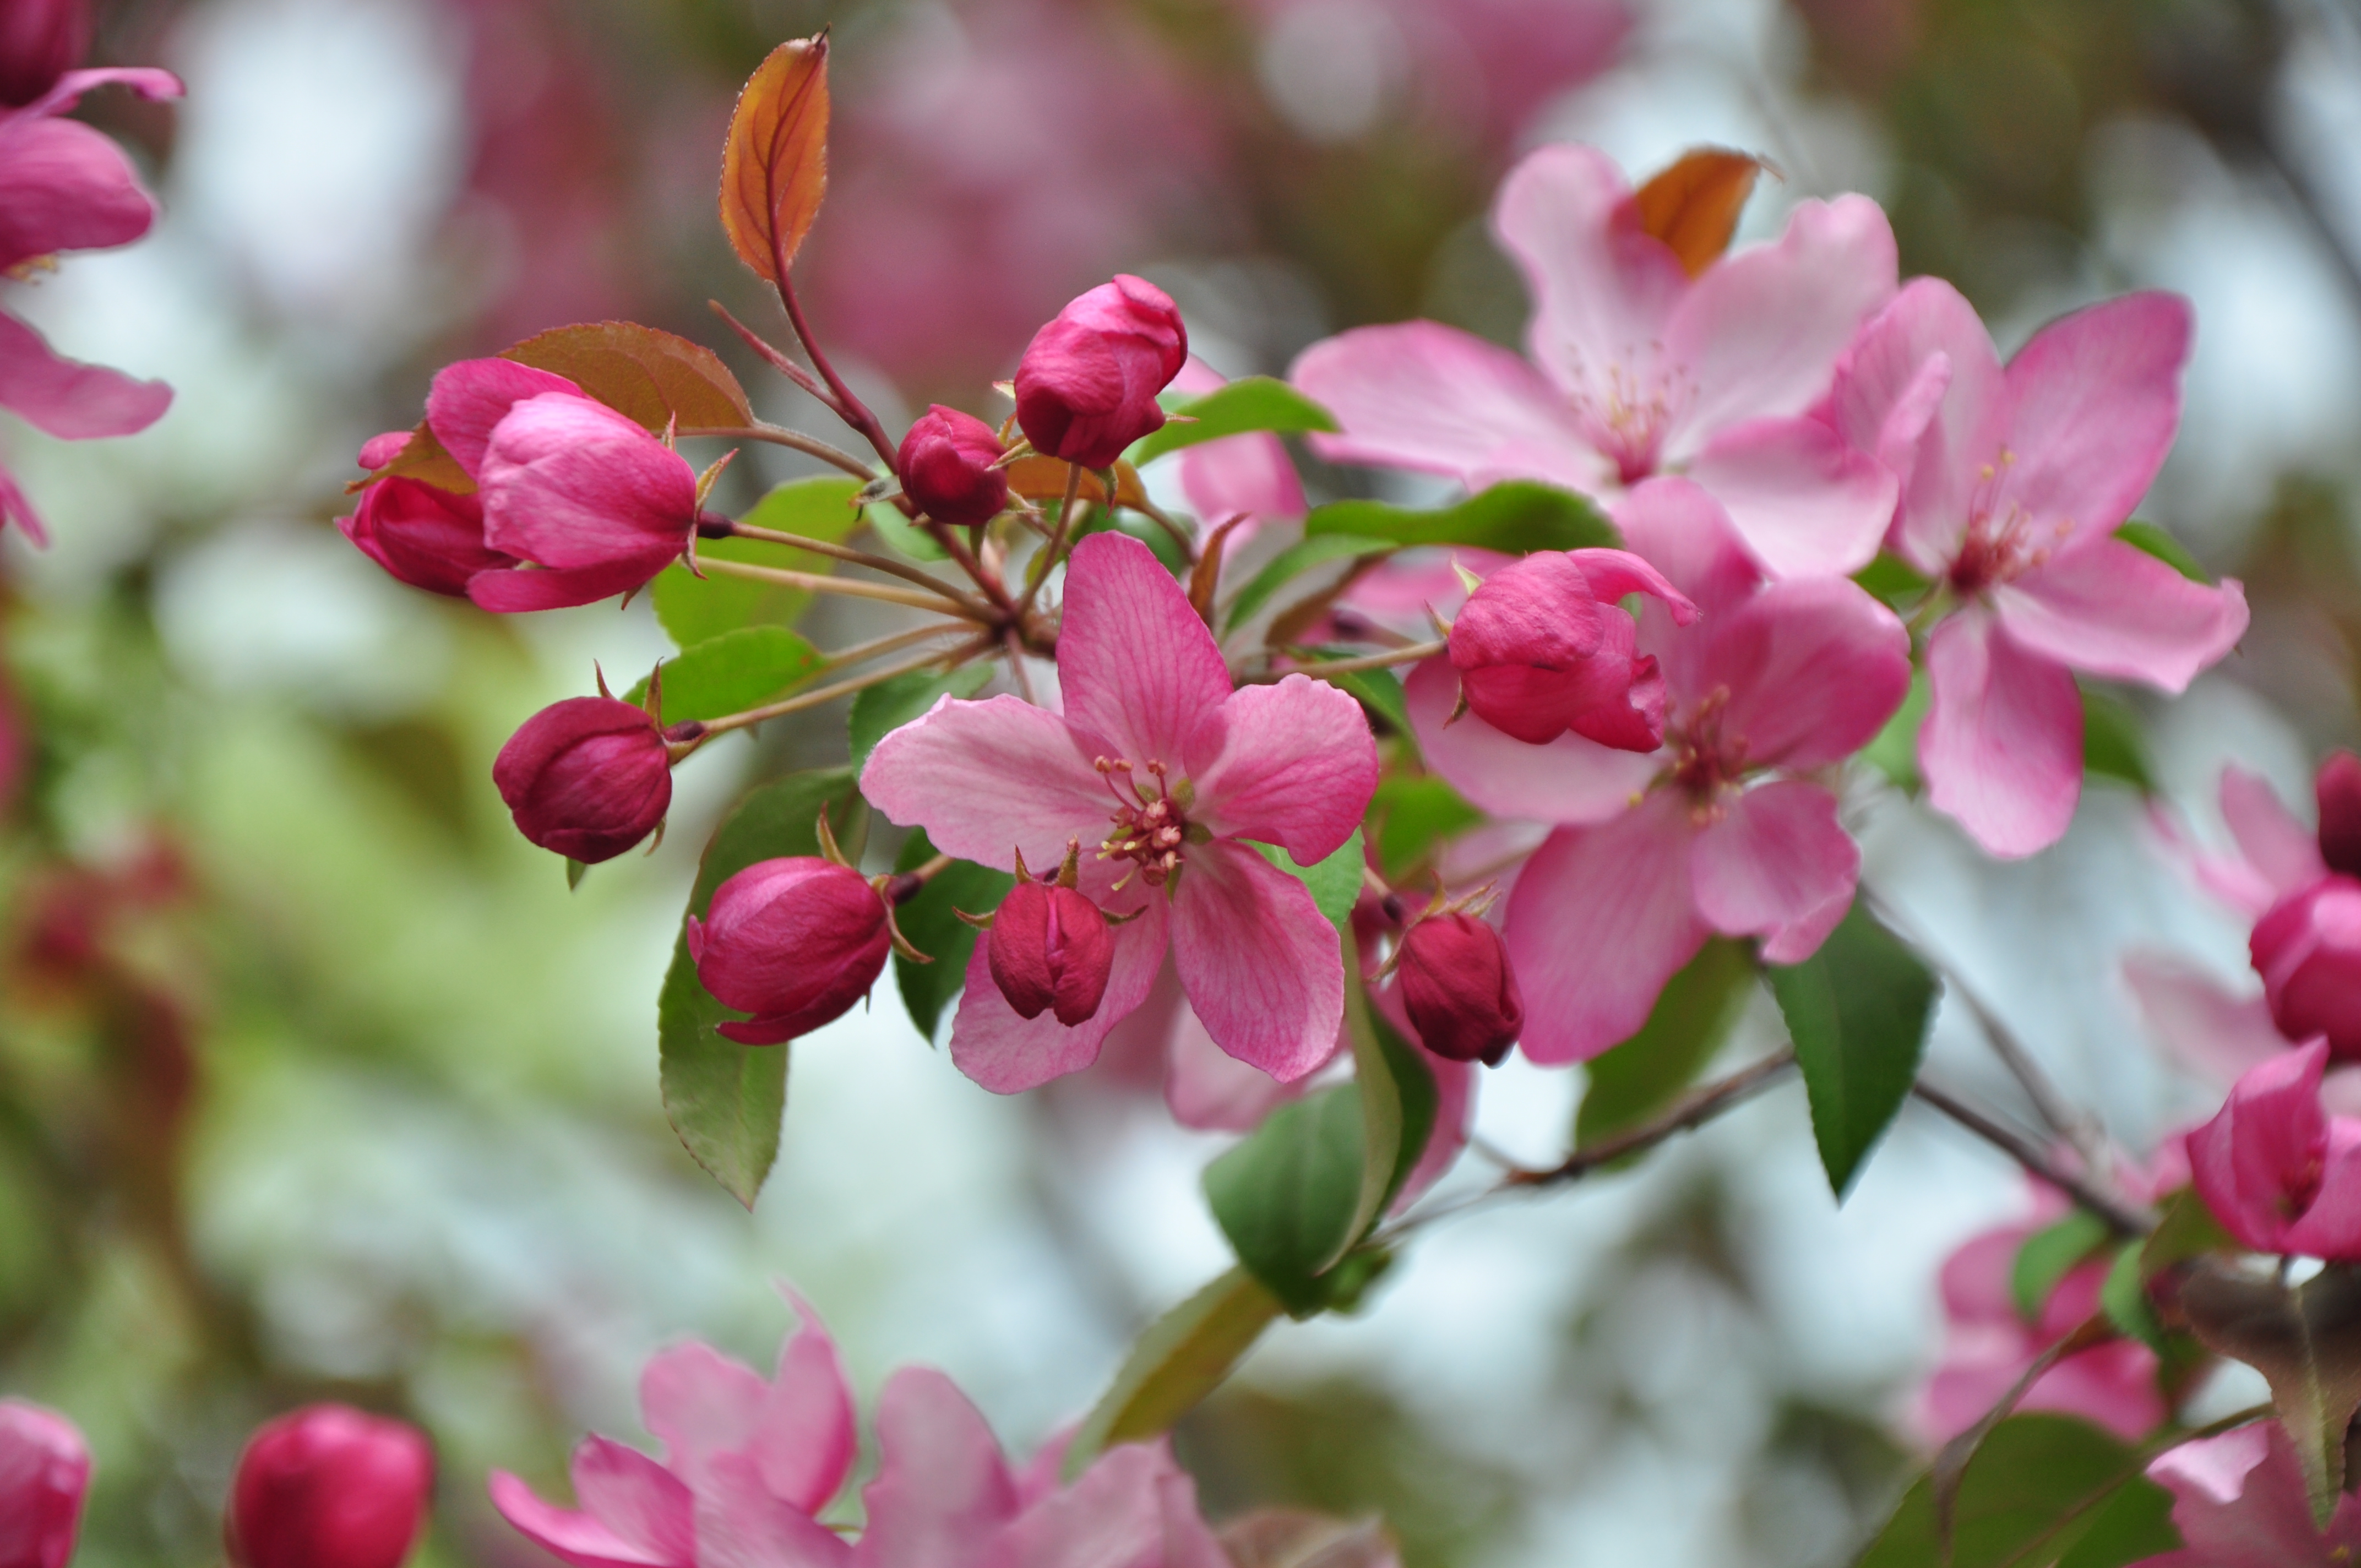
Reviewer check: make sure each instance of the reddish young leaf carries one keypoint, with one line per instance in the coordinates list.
(647, 375)
(424, 460)
(1693, 206)
(1039, 479)
(775, 165)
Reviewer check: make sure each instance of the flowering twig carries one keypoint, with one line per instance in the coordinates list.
(1066, 518)
(847, 407)
(2111, 1211)
(820, 583)
(968, 604)
(780, 435)
(824, 693)
(780, 362)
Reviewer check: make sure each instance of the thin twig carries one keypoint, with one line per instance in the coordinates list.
(2118, 1216)
(1410, 656)
(977, 571)
(780, 435)
(1015, 647)
(849, 407)
(862, 652)
(824, 693)
(819, 583)
(778, 361)
(968, 604)
(1056, 539)
(1155, 514)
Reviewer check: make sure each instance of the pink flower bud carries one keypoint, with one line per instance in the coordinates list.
(2338, 787)
(1050, 949)
(946, 464)
(329, 1486)
(2280, 1174)
(40, 41)
(587, 777)
(428, 538)
(1086, 388)
(2308, 950)
(44, 1471)
(1459, 989)
(794, 941)
(1542, 648)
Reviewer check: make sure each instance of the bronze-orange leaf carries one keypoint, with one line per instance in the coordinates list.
(775, 165)
(642, 372)
(1693, 206)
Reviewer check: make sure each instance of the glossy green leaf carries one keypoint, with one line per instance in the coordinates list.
(929, 922)
(1251, 403)
(732, 672)
(1413, 812)
(1399, 1104)
(1893, 579)
(693, 609)
(2043, 1489)
(1513, 518)
(1858, 1011)
(1894, 753)
(2112, 746)
(2048, 1256)
(1380, 692)
(879, 710)
(1692, 1016)
(1335, 882)
(724, 1098)
(1287, 1197)
(1292, 562)
(1182, 1356)
(2156, 542)
(901, 535)
(2123, 1298)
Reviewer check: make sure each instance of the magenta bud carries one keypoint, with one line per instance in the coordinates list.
(1050, 950)
(946, 465)
(2308, 950)
(426, 537)
(794, 941)
(1086, 388)
(40, 41)
(329, 1486)
(1460, 989)
(44, 1471)
(1541, 648)
(587, 777)
(2338, 787)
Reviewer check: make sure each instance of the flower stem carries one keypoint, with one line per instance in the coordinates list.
(779, 362)
(819, 583)
(1066, 518)
(2113, 1212)
(1410, 656)
(968, 604)
(848, 408)
(814, 698)
(780, 435)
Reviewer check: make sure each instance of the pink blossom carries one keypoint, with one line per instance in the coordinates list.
(2308, 950)
(2015, 481)
(1637, 369)
(44, 1472)
(587, 777)
(2281, 1173)
(948, 464)
(1086, 388)
(796, 941)
(1173, 778)
(1163, 1042)
(65, 187)
(1544, 647)
(1726, 829)
(2239, 1501)
(1250, 474)
(329, 1486)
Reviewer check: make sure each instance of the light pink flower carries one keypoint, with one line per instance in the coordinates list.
(1174, 778)
(2015, 481)
(2281, 1173)
(1250, 474)
(2239, 1501)
(1729, 832)
(746, 1465)
(63, 186)
(1636, 369)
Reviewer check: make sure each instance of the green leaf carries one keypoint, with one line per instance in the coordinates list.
(879, 710)
(1513, 518)
(1292, 562)
(1288, 1196)
(732, 672)
(2112, 747)
(1894, 753)
(693, 609)
(1251, 403)
(931, 926)
(1335, 882)
(1380, 692)
(2042, 1489)
(2048, 1256)
(1692, 1016)
(1413, 812)
(1399, 1105)
(2123, 1298)
(2156, 542)
(1183, 1357)
(724, 1098)
(1858, 1011)
(2185, 1228)
(1893, 579)
(902, 535)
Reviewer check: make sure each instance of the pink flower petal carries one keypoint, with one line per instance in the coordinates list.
(631, 1494)
(2331, 1228)
(64, 186)
(1455, 1112)
(1814, 668)
(2002, 745)
(2114, 610)
(1778, 866)
(698, 1402)
(70, 400)
(1291, 764)
(1759, 333)
(1807, 504)
(1601, 918)
(1208, 1087)
(146, 81)
(1615, 574)
(1132, 1508)
(742, 1525)
(571, 483)
(804, 1443)
(1261, 965)
(2239, 1501)
(2202, 1025)
(1250, 474)
(17, 508)
(1421, 395)
(985, 779)
(575, 1537)
(943, 1493)
(1604, 290)
(2282, 851)
(470, 397)
(1138, 668)
(1008, 1054)
(1569, 780)
(511, 591)
(1688, 536)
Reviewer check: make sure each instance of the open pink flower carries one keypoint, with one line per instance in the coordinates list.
(1723, 830)
(2279, 1171)
(2015, 481)
(2239, 1501)
(63, 186)
(1174, 778)
(746, 1464)
(1638, 370)
(1250, 474)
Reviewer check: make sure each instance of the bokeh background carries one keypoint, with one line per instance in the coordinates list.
(315, 1081)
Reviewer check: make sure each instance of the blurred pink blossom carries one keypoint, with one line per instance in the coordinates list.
(2239, 1501)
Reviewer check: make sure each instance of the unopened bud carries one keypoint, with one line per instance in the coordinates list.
(329, 1486)
(44, 1471)
(794, 941)
(947, 465)
(2338, 787)
(1460, 989)
(1050, 950)
(587, 777)
(1086, 388)
(429, 538)
(2308, 950)
(1542, 647)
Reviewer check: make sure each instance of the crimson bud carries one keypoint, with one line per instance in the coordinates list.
(426, 537)
(1542, 647)
(794, 941)
(1050, 949)
(587, 777)
(44, 1471)
(329, 1486)
(40, 41)
(2338, 787)
(1086, 388)
(2308, 950)
(1460, 989)
(946, 465)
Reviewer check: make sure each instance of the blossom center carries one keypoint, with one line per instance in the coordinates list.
(1625, 413)
(1707, 760)
(1150, 830)
(2002, 542)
